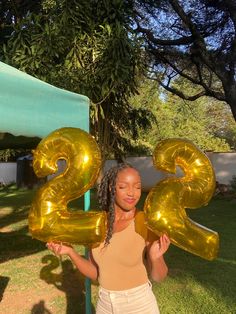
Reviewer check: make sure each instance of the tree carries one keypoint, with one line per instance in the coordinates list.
(102, 48)
(84, 46)
(192, 39)
(177, 118)
(12, 12)
(221, 123)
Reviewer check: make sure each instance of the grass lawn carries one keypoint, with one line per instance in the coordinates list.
(33, 281)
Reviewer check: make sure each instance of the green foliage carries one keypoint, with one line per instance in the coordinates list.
(5, 154)
(93, 48)
(205, 122)
(11, 154)
(194, 40)
(85, 46)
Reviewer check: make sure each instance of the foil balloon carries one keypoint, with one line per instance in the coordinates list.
(49, 217)
(165, 204)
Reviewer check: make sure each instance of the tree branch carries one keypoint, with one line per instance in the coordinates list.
(179, 93)
(174, 67)
(164, 42)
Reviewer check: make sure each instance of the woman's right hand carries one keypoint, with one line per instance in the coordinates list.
(59, 248)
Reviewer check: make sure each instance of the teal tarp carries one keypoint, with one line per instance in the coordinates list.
(32, 107)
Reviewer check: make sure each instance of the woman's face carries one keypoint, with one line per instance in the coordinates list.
(128, 189)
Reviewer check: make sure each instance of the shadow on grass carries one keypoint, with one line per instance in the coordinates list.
(70, 281)
(3, 284)
(15, 240)
(40, 308)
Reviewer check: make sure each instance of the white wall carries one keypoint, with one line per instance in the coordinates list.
(144, 165)
(224, 165)
(7, 172)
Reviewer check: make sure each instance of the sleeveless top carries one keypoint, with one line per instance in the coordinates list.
(121, 262)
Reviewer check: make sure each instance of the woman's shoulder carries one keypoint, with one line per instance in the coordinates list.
(142, 229)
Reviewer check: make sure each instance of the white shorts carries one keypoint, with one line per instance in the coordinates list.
(138, 300)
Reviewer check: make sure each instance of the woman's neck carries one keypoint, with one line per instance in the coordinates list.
(121, 214)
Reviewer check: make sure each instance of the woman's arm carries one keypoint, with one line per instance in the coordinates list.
(155, 260)
(86, 266)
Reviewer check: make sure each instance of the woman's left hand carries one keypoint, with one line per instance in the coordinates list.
(158, 247)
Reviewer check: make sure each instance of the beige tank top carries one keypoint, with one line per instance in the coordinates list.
(121, 262)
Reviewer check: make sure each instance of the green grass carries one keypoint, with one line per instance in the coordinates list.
(195, 285)
(32, 280)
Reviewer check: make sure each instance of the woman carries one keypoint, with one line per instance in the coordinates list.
(121, 264)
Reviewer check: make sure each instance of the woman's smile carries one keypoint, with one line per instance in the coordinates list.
(130, 200)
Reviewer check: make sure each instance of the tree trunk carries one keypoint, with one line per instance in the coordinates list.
(230, 96)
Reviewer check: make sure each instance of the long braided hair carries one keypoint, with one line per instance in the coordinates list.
(106, 195)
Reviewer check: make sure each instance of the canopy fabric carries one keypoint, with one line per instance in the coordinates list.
(33, 108)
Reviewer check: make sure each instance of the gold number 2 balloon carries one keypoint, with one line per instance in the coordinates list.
(165, 204)
(49, 218)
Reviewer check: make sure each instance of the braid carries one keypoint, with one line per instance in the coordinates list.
(106, 195)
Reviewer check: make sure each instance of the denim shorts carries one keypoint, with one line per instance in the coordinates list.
(138, 300)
